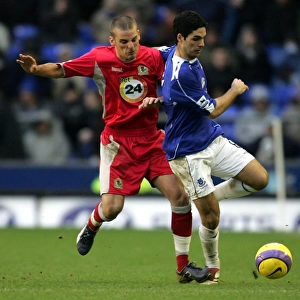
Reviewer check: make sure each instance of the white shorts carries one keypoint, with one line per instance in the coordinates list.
(222, 158)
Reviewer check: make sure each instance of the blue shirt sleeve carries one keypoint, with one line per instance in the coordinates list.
(165, 51)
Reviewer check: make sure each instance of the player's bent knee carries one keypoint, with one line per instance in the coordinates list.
(111, 213)
(181, 200)
(262, 182)
(211, 221)
(259, 180)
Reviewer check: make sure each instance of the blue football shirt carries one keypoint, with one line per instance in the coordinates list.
(187, 104)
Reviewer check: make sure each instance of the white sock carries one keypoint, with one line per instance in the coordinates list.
(182, 244)
(232, 188)
(93, 220)
(210, 241)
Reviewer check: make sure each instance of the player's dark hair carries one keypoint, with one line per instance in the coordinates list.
(122, 23)
(186, 22)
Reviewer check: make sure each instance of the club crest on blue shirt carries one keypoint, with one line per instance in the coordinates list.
(201, 182)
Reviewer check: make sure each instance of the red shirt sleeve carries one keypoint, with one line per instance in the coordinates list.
(81, 66)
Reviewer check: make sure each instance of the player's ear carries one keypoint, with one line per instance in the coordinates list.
(180, 37)
(111, 40)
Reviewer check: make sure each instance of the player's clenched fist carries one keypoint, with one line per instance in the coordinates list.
(239, 85)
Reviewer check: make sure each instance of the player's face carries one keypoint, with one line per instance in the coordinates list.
(126, 43)
(191, 47)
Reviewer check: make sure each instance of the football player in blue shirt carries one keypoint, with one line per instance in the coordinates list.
(195, 144)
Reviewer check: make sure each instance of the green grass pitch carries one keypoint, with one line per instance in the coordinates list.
(132, 264)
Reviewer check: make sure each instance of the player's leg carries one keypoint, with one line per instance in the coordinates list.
(208, 208)
(253, 175)
(113, 189)
(172, 188)
(161, 176)
(246, 174)
(105, 211)
(194, 171)
(252, 178)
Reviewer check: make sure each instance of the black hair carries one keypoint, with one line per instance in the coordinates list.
(186, 22)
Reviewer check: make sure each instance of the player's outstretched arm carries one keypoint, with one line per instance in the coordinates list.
(237, 88)
(29, 65)
(151, 102)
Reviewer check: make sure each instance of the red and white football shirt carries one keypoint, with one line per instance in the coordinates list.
(121, 85)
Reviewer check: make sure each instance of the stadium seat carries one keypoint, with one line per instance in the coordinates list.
(281, 96)
(23, 32)
(85, 34)
(276, 54)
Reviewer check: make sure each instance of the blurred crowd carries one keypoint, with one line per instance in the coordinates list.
(59, 121)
